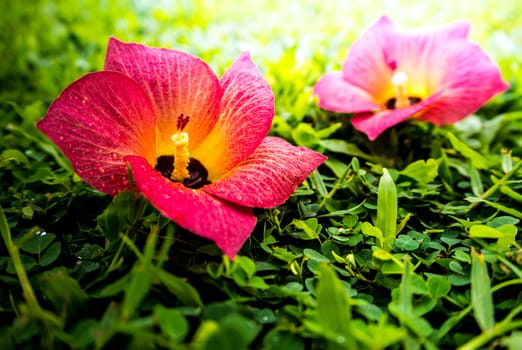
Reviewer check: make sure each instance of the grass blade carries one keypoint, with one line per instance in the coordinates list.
(481, 296)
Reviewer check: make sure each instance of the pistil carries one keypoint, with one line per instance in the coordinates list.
(181, 153)
(399, 81)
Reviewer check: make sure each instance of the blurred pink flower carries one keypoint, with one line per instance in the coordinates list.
(390, 75)
(196, 145)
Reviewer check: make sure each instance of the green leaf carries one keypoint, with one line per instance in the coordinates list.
(63, 291)
(35, 243)
(278, 340)
(402, 307)
(233, 332)
(333, 306)
(12, 155)
(351, 149)
(51, 254)
(119, 215)
(370, 230)
(477, 160)
(387, 208)
(310, 227)
(313, 255)
(407, 243)
(28, 264)
(378, 336)
(137, 288)
(171, 322)
(183, 290)
(326, 132)
(504, 234)
(423, 172)
(481, 296)
(439, 286)
(475, 181)
(305, 135)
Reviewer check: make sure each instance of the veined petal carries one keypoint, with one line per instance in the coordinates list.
(246, 113)
(374, 124)
(469, 79)
(227, 224)
(177, 83)
(98, 120)
(268, 176)
(338, 95)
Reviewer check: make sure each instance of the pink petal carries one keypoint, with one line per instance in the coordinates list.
(177, 83)
(374, 124)
(422, 53)
(336, 94)
(366, 66)
(246, 113)
(469, 80)
(98, 120)
(382, 50)
(268, 176)
(227, 224)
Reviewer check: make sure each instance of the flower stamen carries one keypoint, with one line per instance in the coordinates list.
(399, 81)
(181, 153)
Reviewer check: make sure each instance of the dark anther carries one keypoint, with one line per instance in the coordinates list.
(390, 104)
(413, 100)
(165, 165)
(198, 174)
(182, 121)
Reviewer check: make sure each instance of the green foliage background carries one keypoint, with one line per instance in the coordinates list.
(81, 270)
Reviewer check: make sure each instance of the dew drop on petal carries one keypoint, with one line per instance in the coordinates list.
(101, 170)
(114, 156)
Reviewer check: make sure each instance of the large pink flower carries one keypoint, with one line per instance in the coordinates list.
(390, 74)
(197, 145)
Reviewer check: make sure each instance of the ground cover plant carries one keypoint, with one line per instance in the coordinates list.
(408, 240)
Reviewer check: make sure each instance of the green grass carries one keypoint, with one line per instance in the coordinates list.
(79, 269)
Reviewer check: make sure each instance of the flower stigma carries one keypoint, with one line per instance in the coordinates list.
(399, 81)
(401, 99)
(180, 167)
(181, 153)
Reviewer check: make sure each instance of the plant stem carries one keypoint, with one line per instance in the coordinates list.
(33, 307)
(502, 181)
(498, 330)
(335, 187)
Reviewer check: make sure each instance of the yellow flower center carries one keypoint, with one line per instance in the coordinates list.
(401, 99)
(181, 153)
(399, 81)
